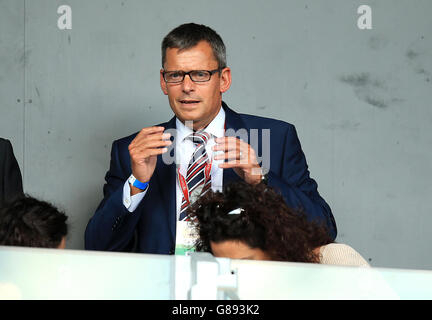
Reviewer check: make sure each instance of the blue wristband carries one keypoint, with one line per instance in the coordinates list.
(136, 183)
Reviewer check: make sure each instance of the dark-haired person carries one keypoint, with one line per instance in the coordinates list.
(152, 180)
(254, 222)
(10, 174)
(29, 222)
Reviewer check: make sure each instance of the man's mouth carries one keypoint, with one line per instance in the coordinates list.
(189, 102)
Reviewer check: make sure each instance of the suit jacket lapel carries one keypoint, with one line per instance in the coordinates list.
(234, 122)
(166, 175)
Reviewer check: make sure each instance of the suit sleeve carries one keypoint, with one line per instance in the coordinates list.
(297, 187)
(112, 226)
(12, 179)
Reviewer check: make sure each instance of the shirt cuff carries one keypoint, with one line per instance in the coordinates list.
(131, 203)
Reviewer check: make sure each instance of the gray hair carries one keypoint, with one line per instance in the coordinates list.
(188, 35)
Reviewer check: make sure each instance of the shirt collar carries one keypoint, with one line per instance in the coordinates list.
(215, 128)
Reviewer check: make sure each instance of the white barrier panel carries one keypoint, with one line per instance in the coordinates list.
(30, 273)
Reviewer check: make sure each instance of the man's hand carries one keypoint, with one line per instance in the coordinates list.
(143, 151)
(240, 156)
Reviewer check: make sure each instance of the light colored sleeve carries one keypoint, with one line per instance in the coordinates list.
(131, 203)
(341, 254)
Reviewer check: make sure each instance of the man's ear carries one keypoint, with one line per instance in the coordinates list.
(225, 79)
(163, 83)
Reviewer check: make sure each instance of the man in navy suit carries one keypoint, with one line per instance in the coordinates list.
(156, 173)
(10, 174)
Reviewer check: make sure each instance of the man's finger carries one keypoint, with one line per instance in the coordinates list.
(228, 143)
(230, 155)
(154, 152)
(157, 144)
(232, 164)
(150, 152)
(154, 136)
(148, 131)
(154, 145)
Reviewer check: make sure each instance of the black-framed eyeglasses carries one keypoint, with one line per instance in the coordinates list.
(195, 75)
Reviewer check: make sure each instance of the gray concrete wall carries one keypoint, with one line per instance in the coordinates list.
(360, 100)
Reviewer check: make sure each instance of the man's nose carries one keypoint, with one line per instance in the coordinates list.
(187, 84)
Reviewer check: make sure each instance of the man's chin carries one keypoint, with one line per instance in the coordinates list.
(193, 122)
(188, 113)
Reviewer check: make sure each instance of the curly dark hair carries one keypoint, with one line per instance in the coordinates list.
(266, 222)
(30, 222)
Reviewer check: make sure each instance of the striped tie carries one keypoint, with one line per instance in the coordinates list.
(195, 176)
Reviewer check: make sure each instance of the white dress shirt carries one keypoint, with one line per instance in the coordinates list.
(184, 151)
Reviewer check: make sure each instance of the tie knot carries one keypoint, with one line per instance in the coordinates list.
(199, 137)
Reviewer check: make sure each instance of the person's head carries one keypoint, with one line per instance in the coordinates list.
(254, 222)
(194, 47)
(30, 222)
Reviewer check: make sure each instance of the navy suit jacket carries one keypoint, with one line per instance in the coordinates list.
(151, 227)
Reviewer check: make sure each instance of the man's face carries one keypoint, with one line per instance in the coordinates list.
(195, 101)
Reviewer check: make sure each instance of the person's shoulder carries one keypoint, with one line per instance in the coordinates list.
(339, 247)
(265, 122)
(341, 254)
(5, 145)
(126, 140)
